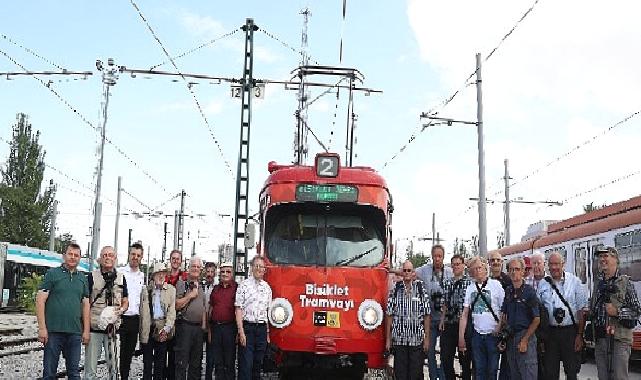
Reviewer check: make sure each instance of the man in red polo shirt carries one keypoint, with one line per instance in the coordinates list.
(222, 323)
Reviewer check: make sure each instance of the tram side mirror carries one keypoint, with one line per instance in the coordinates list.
(250, 235)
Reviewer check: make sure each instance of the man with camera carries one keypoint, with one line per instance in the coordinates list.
(130, 326)
(190, 323)
(615, 310)
(483, 299)
(62, 309)
(497, 273)
(222, 323)
(537, 259)
(566, 301)
(407, 325)
(108, 299)
(519, 321)
(452, 308)
(433, 276)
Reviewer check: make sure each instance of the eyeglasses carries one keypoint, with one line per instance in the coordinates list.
(495, 259)
(259, 266)
(225, 271)
(518, 269)
(408, 270)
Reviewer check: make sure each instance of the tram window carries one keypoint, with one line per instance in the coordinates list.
(623, 240)
(580, 263)
(636, 238)
(309, 235)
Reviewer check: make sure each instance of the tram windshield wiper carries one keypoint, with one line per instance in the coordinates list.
(359, 256)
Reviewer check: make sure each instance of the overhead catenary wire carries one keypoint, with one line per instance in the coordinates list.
(286, 45)
(86, 122)
(579, 146)
(193, 50)
(446, 101)
(30, 51)
(191, 91)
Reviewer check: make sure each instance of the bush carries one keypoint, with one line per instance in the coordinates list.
(27, 292)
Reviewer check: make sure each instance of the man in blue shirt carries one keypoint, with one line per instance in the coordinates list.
(520, 313)
(566, 301)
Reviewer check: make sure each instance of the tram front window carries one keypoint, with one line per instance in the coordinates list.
(337, 237)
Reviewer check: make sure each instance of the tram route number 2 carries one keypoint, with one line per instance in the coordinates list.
(258, 91)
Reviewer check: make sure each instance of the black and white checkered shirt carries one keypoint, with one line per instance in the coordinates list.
(408, 309)
(453, 298)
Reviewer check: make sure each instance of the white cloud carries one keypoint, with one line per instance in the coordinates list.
(202, 25)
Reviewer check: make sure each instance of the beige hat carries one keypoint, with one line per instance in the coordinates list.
(158, 267)
(227, 264)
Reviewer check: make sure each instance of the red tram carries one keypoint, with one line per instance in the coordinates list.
(325, 234)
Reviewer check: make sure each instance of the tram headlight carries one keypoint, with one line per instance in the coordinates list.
(280, 313)
(370, 314)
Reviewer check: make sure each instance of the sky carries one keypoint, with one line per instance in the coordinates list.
(553, 93)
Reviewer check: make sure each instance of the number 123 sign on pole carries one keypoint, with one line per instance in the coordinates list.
(258, 91)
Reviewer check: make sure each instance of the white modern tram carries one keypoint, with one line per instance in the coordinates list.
(617, 225)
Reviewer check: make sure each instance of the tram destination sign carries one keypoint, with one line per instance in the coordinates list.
(326, 193)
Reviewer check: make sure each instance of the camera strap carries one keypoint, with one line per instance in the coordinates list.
(558, 293)
(480, 293)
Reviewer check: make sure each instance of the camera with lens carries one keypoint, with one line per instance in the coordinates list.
(502, 337)
(191, 285)
(559, 314)
(436, 297)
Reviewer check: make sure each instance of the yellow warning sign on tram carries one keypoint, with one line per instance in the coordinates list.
(333, 319)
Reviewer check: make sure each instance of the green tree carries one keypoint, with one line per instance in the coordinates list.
(27, 292)
(63, 241)
(25, 211)
(418, 260)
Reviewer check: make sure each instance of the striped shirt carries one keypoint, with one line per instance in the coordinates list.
(454, 297)
(408, 311)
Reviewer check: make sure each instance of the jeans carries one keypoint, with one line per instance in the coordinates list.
(224, 338)
(154, 354)
(408, 362)
(69, 345)
(250, 357)
(436, 372)
(485, 356)
(97, 342)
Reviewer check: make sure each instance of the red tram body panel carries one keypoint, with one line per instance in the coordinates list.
(325, 236)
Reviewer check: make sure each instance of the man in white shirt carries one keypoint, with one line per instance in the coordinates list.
(483, 298)
(130, 326)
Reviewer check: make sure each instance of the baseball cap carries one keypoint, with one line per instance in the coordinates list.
(609, 250)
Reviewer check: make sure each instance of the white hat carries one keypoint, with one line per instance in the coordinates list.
(227, 264)
(158, 267)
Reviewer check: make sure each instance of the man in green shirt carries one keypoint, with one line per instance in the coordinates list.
(62, 309)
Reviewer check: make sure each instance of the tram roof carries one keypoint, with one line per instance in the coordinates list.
(354, 175)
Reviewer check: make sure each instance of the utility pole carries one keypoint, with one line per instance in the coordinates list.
(300, 143)
(242, 172)
(164, 243)
(118, 214)
(109, 77)
(506, 206)
(181, 221)
(52, 227)
(481, 160)
(433, 228)
(176, 229)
